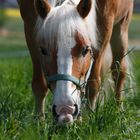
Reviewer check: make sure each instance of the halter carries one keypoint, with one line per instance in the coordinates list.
(80, 84)
(66, 77)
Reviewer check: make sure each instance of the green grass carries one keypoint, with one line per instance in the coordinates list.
(17, 120)
(12, 38)
(134, 30)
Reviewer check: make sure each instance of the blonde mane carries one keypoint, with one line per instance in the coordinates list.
(63, 21)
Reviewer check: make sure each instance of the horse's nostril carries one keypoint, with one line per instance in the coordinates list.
(54, 110)
(76, 112)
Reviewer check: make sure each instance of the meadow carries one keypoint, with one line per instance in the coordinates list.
(17, 119)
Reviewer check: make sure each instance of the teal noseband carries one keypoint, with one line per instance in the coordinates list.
(64, 77)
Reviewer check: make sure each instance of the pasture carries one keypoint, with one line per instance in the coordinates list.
(17, 120)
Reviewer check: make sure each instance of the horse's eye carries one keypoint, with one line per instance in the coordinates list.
(85, 50)
(43, 51)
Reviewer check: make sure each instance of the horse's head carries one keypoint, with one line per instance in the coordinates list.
(65, 49)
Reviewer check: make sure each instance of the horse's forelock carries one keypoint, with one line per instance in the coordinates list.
(61, 21)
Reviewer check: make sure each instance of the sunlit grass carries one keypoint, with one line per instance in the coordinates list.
(9, 12)
(136, 17)
(134, 30)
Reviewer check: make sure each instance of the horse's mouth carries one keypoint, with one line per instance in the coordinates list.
(65, 116)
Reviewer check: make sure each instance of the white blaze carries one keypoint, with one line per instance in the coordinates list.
(65, 92)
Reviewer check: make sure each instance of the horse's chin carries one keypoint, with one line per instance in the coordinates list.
(65, 119)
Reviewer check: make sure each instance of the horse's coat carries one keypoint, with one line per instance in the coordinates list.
(66, 32)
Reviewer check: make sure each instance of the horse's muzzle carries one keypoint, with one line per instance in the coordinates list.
(65, 114)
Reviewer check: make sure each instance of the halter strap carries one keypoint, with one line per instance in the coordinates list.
(64, 77)
(67, 77)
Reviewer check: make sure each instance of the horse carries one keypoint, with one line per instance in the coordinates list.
(68, 41)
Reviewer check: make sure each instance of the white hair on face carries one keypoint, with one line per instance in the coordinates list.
(59, 2)
(55, 2)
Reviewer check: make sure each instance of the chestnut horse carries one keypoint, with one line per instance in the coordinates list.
(68, 41)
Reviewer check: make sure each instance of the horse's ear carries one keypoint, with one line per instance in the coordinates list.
(42, 8)
(84, 7)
